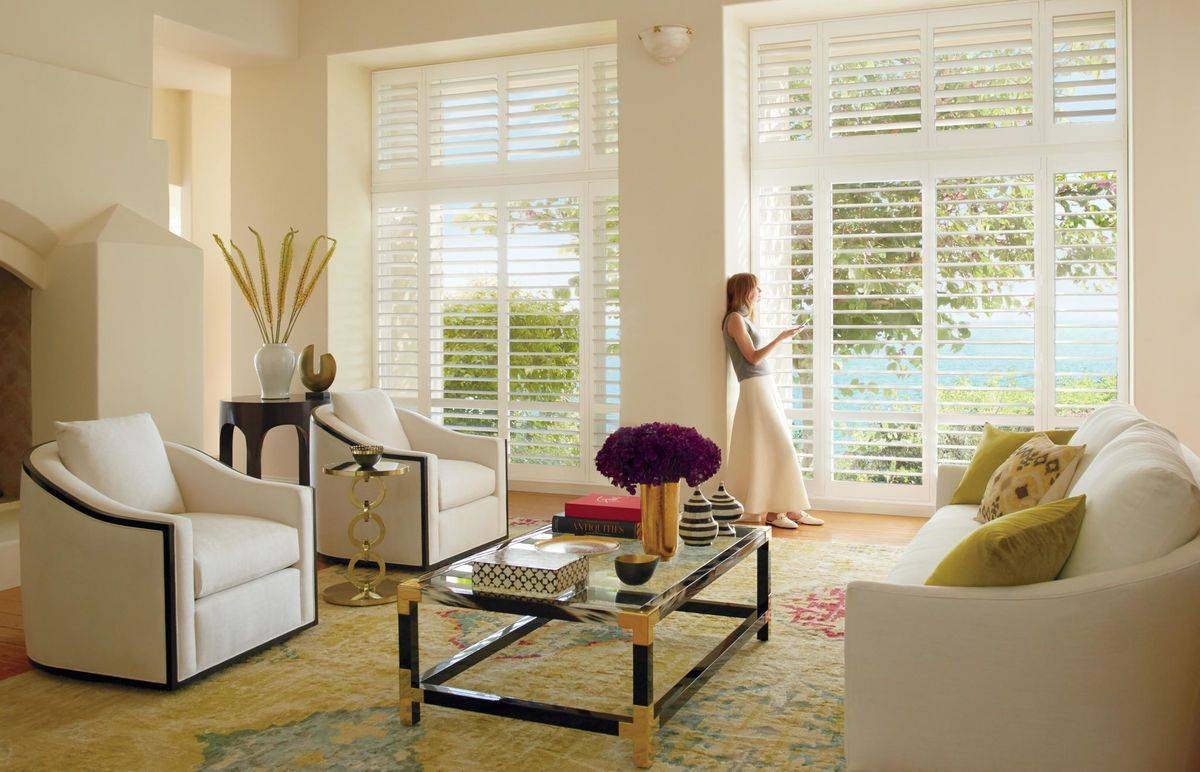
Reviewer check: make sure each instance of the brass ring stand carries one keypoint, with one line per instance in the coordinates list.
(366, 587)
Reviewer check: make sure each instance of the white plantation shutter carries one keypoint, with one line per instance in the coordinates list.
(464, 312)
(874, 83)
(783, 90)
(877, 352)
(786, 270)
(542, 276)
(396, 124)
(1087, 291)
(983, 75)
(543, 113)
(606, 107)
(1085, 68)
(464, 120)
(985, 294)
(397, 301)
(606, 313)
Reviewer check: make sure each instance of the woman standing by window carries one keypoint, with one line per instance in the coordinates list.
(762, 469)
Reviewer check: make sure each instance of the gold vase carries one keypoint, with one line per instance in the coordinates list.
(660, 519)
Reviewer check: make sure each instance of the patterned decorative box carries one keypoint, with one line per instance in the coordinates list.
(529, 573)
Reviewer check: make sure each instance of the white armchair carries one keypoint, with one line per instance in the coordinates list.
(453, 501)
(117, 592)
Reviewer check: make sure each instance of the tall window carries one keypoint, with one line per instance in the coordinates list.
(497, 251)
(941, 195)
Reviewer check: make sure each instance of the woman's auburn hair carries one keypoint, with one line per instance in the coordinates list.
(737, 291)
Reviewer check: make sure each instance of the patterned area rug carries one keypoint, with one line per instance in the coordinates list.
(327, 697)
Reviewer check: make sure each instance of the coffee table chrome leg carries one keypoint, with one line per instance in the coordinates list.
(641, 729)
(408, 598)
(764, 589)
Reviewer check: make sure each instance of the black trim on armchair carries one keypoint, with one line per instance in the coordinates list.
(171, 628)
(425, 564)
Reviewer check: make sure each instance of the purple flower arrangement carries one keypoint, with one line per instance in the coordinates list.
(657, 453)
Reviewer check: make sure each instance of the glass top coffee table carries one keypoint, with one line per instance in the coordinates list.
(604, 599)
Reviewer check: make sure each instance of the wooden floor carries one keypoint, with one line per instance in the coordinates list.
(839, 527)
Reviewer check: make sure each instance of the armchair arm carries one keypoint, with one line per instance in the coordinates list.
(948, 478)
(433, 437)
(208, 485)
(1095, 672)
(97, 579)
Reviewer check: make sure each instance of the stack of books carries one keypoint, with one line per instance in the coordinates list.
(601, 514)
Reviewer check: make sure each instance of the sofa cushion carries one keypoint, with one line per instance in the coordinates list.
(994, 448)
(229, 550)
(461, 482)
(940, 534)
(1025, 547)
(1102, 426)
(123, 458)
(372, 413)
(1038, 472)
(1142, 502)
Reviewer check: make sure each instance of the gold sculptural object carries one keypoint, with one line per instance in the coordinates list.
(319, 380)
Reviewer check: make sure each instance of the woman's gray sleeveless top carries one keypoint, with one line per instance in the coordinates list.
(741, 367)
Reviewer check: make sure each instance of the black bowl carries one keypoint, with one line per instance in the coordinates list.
(635, 569)
(367, 456)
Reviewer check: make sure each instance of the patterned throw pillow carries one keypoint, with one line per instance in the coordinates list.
(1038, 472)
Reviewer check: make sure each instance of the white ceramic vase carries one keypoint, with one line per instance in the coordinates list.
(275, 364)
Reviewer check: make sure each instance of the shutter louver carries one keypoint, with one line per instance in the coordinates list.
(786, 270)
(606, 106)
(986, 324)
(983, 75)
(464, 121)
(606, 317)
(543, 114)
(397, 303)
(1087, 290)
(397, 138)
(874, 84)
(543, 274)
(1085, 68)
(877, 354)
(784, 89)
(464, 305)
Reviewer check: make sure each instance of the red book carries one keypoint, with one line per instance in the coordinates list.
(605, 506)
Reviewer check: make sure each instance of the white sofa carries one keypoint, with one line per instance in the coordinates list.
(1098, 671)
(453, 501)
(120, 592)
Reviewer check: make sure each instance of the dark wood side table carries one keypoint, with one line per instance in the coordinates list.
(256, 416)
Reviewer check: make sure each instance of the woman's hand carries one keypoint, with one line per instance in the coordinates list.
(790, 333)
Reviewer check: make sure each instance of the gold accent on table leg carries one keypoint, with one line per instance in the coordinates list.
(367, 590)
(408, 697)
(641, 625)
(642, 733)
(408, 591)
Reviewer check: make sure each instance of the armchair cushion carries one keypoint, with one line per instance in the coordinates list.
(230, 550)
(371, 412)
(461, 482)
(123, 458)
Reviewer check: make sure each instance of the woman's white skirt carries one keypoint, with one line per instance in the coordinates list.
(762, 470)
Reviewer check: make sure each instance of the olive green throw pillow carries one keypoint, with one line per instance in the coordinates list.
(994, 448)
(1025, 547)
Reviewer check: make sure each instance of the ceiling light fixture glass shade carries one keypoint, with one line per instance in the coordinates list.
(666, 42)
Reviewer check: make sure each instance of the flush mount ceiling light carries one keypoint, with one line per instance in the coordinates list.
(666, 42)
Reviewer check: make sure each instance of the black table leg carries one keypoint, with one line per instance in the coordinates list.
(410, 666)
(642, 727)
(226, 450)
(254, 446)
(764, 588)
(302, 442)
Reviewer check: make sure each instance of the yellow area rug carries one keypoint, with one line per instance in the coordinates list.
(326, 698)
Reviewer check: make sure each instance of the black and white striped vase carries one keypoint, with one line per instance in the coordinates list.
(726, 511)
(697, 527)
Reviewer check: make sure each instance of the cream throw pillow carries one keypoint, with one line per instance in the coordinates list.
(1142, 502)
(123, 458)
(1038, 472)
(372, 413)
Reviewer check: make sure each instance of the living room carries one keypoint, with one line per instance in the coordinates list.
(846, 330)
